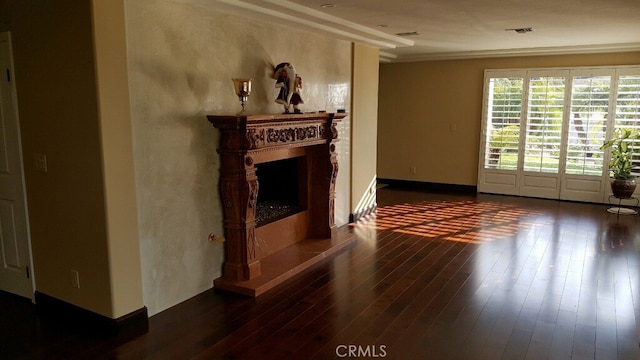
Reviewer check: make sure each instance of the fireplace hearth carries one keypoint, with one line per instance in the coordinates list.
(277, 185)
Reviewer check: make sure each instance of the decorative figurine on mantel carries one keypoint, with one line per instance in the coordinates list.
(289, 84)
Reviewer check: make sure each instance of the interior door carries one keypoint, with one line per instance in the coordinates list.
(15, 253)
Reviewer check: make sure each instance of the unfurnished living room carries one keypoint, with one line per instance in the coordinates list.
(244, 179)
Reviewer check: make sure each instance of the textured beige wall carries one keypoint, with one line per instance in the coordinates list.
(182, 57)
(430, 113)
(364, 126)
(56, 89)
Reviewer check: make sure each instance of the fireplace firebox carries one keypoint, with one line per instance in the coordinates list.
(277, 184)
(282, 189)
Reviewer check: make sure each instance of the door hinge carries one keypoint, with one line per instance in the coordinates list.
(27, 272)
(8, 75)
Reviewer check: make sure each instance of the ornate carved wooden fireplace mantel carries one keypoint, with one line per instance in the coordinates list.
(277, 183)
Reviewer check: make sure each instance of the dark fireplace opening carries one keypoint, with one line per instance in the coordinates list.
(281, 184)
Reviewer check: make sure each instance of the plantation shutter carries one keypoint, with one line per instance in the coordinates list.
(544, 124)
(542, 130)
(628, 108)
(503, 126)
(587, 127)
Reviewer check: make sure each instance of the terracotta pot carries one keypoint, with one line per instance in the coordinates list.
(623, 188)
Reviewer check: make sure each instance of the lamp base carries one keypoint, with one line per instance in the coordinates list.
(243, 102)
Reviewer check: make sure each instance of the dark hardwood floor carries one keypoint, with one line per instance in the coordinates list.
(432, 276)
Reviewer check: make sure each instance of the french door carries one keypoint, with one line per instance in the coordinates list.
(542, 130)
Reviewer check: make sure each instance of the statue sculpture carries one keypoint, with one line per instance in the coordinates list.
(289, 84)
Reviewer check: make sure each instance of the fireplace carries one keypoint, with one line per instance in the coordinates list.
(282, 189)
(277, 184)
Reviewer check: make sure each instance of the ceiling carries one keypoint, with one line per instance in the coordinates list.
(454, 29)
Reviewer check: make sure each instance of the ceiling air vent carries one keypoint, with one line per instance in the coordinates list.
(410, 33)
(521, 30)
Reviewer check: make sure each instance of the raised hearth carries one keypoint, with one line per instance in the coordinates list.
(277, 183)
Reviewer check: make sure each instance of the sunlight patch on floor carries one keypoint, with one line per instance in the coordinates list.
(460, 221)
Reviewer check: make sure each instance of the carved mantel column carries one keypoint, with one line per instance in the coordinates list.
(333, 172)
(239, 191)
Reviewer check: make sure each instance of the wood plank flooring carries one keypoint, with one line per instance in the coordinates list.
(432, 276)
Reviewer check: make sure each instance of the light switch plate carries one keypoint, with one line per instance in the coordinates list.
(40, 162)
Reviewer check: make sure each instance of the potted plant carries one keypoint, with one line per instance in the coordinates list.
(623, 150)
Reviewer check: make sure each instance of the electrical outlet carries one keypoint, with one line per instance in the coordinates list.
(213, 238)
(75, 279)
(412, 169)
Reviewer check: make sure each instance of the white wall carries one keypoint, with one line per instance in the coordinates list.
(181, 58)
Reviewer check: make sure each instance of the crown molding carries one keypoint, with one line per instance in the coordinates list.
(387, 57)
(338, 22)
(291, 14)
(559, 50)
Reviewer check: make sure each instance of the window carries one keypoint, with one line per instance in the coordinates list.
(503, 134)
(628, 108)
(542, 130)
(544, 124)
(587, 127)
